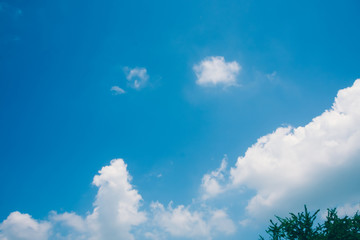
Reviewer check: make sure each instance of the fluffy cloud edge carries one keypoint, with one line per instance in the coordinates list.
(293, 166)
(212, 183)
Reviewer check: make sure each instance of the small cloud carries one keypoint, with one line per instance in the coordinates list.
(245, 223)
(271, 76)
(137, 77)
(214, 71)
(11, 11)
(117, 90)
(18, 12)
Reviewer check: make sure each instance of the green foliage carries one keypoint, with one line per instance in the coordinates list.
(302, 227)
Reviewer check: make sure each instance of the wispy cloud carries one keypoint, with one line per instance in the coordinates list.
(10, 14)
(271, 76)
(137, 77)
(213, 71)
(117, 90)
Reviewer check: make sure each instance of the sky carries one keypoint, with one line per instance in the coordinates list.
(175, 119)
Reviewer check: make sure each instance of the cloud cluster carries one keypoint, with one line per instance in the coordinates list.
(116, 215)
(214, 71)
(317, 164)
(137, 78)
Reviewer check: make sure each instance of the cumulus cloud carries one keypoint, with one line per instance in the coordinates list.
(20, 226)
(317, 164)
(137, 77)
(214, 71)
(117, 90)
(117, 203)
(182, 222)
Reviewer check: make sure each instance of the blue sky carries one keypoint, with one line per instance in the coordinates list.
(173, 88)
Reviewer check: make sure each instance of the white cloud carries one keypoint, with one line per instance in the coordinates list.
(317, 164)
(137, 77)
(182, 222)
(117, 90)
(117, 204)
(211, 185)
(20, 226)
(216, 71)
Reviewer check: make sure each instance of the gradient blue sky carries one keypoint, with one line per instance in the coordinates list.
(60, 123)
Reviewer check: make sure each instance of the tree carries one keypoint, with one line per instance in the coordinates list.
(302, 227)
